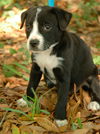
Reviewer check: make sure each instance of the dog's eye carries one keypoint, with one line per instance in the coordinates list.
(47, 27)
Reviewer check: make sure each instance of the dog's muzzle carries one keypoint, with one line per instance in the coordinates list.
(34, 43)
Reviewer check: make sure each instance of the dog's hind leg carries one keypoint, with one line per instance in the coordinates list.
(95, 94)
(93, 87)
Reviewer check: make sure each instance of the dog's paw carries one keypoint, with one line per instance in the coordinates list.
(94, 106)
(61, 122)
(21, 102)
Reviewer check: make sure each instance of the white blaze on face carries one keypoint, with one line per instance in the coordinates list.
(35, 33)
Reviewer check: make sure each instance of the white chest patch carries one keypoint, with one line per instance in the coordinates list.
(48, 62)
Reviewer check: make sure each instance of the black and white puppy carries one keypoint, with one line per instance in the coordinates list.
(61, 56)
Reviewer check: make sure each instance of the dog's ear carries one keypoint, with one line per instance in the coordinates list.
(63, 17)
(23, 18)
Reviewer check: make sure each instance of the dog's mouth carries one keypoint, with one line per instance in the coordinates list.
(34, 49)
(46, 49)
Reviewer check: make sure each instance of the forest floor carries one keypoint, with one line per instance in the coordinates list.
(13, 84)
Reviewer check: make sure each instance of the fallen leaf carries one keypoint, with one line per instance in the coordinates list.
(47, 124)
(15, 129)
(3, 106)
(37, 129)
(81, 131)
(6, 127)
(25, 129)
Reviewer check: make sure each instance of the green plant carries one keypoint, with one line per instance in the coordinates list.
(96, 59)
(1, 45)
(88, 9)
(17, 111)
(77, 124)
(10, 70)
(2, 100)
(88, 12)
(35, 107)
(13, 68)
(98, 44)
(5, 2)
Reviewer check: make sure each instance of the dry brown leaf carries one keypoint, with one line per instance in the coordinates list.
(13, 82)
(37, 129)
(25, 129)
(11, 93)
(97, 127)
(25, 123)
(68, 132)
(46, 103)
(63, 128)
(6, 127)
(9, 132)
(3, 106)
(97, 113)
(11, 115)
(2, 80)
(86, 97)
(81, 131)
(47, 124)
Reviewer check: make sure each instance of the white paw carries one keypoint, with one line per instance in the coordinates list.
(21, 102)
(61, 122)
(93, 106)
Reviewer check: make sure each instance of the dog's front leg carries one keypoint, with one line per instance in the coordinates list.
(34, 80)
(63, 89)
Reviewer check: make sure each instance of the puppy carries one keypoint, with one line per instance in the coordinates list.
(61, 56)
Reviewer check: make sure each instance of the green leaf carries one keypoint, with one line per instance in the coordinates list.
(96, 60)
(17, 111)
(12, 51)
(1, 45)
(22, 67)
(21, 49)
(9, 70)
(5, 2)
(15, 129)
(79, 121)
(98, 44)
(74, 126)
(12, 70)
(45, 111)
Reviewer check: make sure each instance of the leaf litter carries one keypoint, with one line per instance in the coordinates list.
(80, 120)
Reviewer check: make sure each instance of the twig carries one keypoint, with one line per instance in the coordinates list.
(46, 92)
(75, 92)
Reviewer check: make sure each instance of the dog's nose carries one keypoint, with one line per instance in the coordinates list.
(34, 42)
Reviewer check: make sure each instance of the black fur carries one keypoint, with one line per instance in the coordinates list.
(78, 66)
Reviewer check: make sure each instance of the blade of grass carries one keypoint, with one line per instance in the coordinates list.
(22, 67)
(13, 71)
(30, 104)
(45, 111)
(9, 67)
(17, 111)
(36, 102)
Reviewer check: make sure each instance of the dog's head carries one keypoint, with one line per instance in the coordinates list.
(44, 26)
